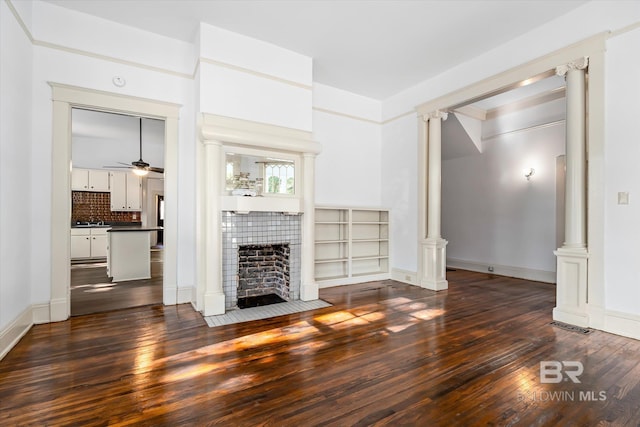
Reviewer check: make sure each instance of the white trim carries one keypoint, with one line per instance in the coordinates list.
(185, 294)
(41, 313)
(625, 324)
(16, 15)
(504, 270)
(222, 64)
(529, 102)
(399, 116)
(14, 331)
(535, 127)
(501, 82)
(232, 131)
(65, 98)
(111, 59)
(348, 116)
(472, 111)
(404, 276)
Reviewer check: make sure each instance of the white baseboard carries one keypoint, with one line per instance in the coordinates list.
(41, 313)
(170, 296)
(624, 324)
(404, 276)
(11, 334)
(504, 270)
(185, 294)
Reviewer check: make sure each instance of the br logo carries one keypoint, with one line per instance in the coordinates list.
(553, 372)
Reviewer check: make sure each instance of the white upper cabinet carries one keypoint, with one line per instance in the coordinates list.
(89, 180)
(126, 191)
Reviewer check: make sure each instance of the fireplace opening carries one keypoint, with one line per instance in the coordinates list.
(263, 274)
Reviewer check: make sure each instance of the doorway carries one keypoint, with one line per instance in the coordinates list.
(65, 98)
(160, 219)
(104, 147)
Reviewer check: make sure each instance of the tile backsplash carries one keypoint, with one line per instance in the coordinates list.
(90, 206)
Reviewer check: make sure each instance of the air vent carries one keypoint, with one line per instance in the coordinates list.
(571, 328)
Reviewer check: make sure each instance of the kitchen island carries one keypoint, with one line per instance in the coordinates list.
(129, 252)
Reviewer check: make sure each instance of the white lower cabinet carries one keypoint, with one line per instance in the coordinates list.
(88, 243)
(351, 245)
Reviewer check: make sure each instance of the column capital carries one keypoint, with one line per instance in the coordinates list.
(578, 64)
(212, 142)
(437, 114)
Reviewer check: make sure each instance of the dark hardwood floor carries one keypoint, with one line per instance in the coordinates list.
(385, 354)
(93, 292)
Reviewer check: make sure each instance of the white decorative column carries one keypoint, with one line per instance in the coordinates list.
(571, 288)
(308, 285)
(433, 251)
(213, 293)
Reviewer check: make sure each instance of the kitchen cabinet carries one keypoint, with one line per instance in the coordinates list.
(351, 245)
(88, 243)
(89, 180)
(126, 191)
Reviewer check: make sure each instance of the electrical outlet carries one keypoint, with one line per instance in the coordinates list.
(407, 278)
(490, 269)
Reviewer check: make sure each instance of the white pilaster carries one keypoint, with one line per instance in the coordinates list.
(213, 294)
(434, 257)
(572, 257)
(308, 285)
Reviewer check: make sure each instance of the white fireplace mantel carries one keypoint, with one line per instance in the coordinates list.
(217, 134)
(237, 132)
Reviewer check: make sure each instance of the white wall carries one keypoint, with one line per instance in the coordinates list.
(493, 216)
(249, 79)
(622, 151)
(61, 65)
(15, 169)
(400, 188)
(348, 170)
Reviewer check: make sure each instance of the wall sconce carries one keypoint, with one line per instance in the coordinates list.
(528, 173)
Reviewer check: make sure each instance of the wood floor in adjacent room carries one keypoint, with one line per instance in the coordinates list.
(93, 292)
(386, 353)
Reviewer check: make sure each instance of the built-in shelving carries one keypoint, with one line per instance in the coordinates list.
(351, 245)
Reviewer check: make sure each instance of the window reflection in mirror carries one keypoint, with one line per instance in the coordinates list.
(258, 176)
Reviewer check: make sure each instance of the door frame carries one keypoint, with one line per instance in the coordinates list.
(594, 48)
(65, 98)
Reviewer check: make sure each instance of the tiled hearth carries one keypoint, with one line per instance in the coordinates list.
(259, 228)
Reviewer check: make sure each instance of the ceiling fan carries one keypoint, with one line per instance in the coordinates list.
(139, 167)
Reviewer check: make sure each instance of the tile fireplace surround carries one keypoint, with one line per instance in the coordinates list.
(258, 228)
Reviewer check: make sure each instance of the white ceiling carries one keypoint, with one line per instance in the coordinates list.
(372, 48)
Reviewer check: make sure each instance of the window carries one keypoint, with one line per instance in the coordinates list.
(279, 177)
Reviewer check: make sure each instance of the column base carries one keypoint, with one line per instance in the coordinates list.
(571, 287)
(434, 264)
(309, 291)
(213, 304)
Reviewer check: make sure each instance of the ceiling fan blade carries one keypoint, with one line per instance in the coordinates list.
(117, 167)
(126, 164)
(154, 169)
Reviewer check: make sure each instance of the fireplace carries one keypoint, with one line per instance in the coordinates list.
(263, 274)
(253, 214)
(261, 254)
